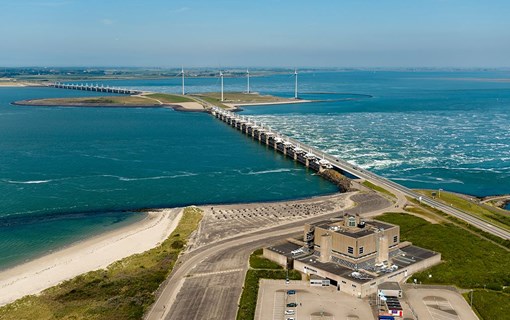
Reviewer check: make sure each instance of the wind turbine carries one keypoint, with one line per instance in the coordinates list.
(248, 81)
(221, 77)
(295, 87)
(182, 74)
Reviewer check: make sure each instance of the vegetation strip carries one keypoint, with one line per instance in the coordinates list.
(372, 186)
(260, 268)
(125, 290)
(503, 242)
(469, 262)
(492, 215)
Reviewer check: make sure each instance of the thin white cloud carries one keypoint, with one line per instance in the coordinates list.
(107, 22)
(180, 10)
(52, 3)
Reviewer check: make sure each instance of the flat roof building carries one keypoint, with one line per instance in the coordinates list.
(355, 255)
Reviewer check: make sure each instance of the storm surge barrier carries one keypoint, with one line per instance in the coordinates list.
(92, 87)
(320, 161)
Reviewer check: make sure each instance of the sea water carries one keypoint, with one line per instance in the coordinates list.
(69, 173)
(424, 129)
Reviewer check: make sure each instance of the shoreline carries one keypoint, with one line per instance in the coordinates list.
(176, 107)
(99, 251)
(90, 254)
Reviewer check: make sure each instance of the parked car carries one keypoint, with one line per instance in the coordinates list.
(291, 305)
(291, 292)
(290, 312)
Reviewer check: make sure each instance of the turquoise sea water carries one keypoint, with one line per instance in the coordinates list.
(68, 173)
(434, 129)
(425, 130)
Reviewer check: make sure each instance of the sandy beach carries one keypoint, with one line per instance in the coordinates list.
(92, 254)
(12, 84)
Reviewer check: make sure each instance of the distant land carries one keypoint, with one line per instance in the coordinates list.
(111, 73)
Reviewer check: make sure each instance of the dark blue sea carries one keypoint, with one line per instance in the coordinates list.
(69, 173)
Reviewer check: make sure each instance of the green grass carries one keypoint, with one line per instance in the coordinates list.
(422, 212)
(123, 291)
(213, 101)
(169, 98)
(486, 213)
(257, 261)
(241, 97)
(258, 271)
(372, 186)
(468, 260)
(490, 304)
(238, 97)
(503, 242)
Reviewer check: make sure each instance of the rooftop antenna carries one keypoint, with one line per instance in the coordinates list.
(295, 87)
(182, 74)
(221, 77)
(248, 81)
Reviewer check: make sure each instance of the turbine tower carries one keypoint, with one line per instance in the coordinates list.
(182, 74)
(221, 77)
(295, 87)
(248, 81)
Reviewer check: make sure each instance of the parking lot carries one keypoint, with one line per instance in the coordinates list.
(307, 303)
(438, 304)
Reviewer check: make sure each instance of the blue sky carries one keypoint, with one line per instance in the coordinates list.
(288, 33)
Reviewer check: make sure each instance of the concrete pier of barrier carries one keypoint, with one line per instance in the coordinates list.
(92, 87)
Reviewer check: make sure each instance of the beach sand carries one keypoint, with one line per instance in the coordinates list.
(92, 254)
(11, 84)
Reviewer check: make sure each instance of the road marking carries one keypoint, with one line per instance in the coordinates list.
(195, 275)
(440, 311)
(279, 305)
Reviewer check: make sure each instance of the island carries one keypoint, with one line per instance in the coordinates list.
(190, 103)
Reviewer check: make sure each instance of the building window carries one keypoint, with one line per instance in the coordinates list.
(352, 222)
(360, 250)
(395, 239)
(350, 250)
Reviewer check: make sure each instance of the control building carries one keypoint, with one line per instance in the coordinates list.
(353, 254)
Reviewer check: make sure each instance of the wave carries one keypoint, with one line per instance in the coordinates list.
(268, 171)
(28, 182)
(435, 181)
(120, 178)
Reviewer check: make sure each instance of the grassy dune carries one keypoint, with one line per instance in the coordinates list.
(123, 291)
